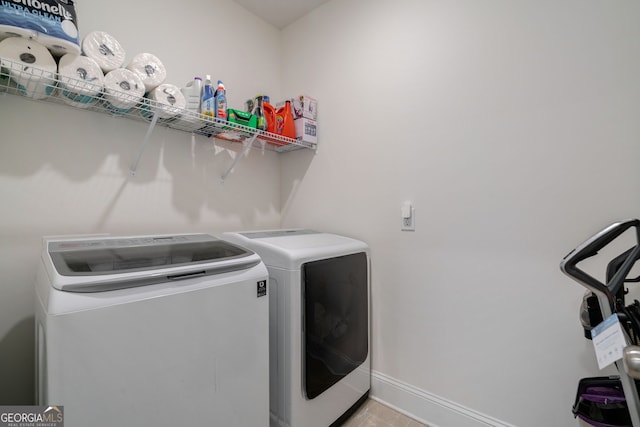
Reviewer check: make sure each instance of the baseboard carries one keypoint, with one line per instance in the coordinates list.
(426, 407)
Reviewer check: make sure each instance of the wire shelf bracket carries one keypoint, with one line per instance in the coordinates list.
(245, 149)
(145, 141)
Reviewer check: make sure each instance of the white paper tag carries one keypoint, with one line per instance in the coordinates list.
(608, 341)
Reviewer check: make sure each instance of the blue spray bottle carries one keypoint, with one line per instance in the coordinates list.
(207, 107)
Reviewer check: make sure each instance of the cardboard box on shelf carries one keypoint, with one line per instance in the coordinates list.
(306, 130)
(302, 106)
(305, 106)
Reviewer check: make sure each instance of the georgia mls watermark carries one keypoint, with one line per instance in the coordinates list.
(31, 416)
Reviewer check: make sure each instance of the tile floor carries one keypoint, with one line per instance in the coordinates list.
(375, 414)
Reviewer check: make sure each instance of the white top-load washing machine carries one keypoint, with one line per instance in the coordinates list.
(152, 331)
(319, 324)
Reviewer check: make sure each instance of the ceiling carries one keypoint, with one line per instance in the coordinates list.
(280, 12)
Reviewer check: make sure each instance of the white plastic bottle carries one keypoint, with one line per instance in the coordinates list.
(192, 92)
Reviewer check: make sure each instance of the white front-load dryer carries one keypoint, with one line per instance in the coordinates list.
(319, 284)
(152, 331)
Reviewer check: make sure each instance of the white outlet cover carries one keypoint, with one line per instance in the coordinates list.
(408, 224)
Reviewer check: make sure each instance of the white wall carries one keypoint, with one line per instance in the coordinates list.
(64, 171)
(513, 128)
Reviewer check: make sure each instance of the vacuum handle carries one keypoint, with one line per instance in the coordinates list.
(591, 247)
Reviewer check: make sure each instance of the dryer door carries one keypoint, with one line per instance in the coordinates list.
(335, 320)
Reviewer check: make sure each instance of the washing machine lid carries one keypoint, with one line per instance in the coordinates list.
(277, 233)
(92, 265)
(289, 249)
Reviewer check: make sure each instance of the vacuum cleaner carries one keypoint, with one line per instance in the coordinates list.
(609, 401)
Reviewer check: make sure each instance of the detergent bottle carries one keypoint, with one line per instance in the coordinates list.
(207, 107)
(192, 92)
(269, 114)
(221, 101)
(284, 121)
(258, 111)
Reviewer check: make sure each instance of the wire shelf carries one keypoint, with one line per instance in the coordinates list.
(16, 78)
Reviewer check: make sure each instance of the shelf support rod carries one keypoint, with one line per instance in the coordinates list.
(154, 120)
(245, 148)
